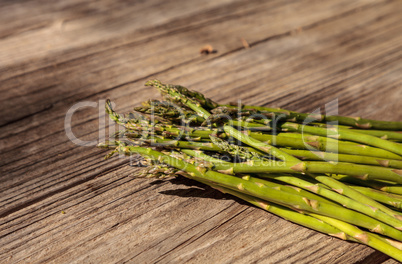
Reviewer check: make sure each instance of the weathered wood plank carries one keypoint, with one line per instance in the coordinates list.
(304, 54)
(183, 48)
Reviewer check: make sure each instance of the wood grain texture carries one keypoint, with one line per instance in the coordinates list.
(54, 54)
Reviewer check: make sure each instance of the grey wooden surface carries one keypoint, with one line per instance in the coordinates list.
(54, 54)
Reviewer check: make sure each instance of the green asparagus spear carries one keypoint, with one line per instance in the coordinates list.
(342, 120)
(364, 172)
(362, 236)
(328, 156)
(359, 202)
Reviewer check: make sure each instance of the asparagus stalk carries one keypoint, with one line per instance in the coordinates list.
(169, 111)
(288, 214)
(309, 195)
(394, 200)
(328, 156)
(342, 120)
(314, 138)
(359, 202)
(180, 94)
(159, 142)
(392, 189)
(390, 135)
(384, 134)
(289, 189)
(320, 143)
(387, 187)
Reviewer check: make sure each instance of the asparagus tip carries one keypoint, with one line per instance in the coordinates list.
(152, 82)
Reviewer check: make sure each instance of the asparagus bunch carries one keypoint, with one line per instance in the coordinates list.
(343, 180)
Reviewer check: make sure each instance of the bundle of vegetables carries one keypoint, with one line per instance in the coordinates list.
(342, 179)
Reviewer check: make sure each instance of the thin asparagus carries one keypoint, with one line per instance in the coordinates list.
(342, 120)
(363, 205)
(364, 172)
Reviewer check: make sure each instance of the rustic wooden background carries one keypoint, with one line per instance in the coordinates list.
(63, 203)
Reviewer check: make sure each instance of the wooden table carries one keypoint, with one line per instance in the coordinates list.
(62, 203)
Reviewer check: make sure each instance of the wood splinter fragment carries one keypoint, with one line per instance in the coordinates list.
(208, 49)
(245, 43)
